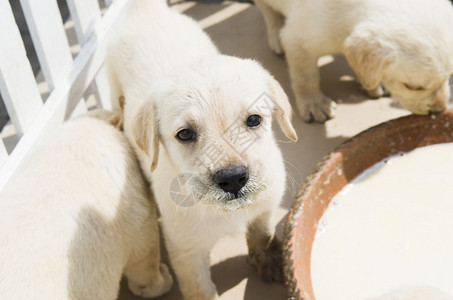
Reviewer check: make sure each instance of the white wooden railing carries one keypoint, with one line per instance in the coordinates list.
(67, 78)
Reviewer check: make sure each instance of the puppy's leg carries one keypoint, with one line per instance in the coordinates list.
(274, 22)
(191, 265)
(311, 103)
(303, 70)
(265, 250)
(147, 276)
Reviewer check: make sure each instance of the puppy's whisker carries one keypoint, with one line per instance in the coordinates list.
(219, 199)
(284, 142)
(292, 184)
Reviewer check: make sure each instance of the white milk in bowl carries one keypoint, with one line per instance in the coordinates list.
(390, 232)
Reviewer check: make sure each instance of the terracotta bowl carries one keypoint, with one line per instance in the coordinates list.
(335, 171)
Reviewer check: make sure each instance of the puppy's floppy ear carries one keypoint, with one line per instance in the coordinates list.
(368, 57)
(282, 109)
(146, 132)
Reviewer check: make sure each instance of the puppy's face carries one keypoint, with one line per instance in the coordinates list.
(415, 68)
(421, 86)
(214, 123)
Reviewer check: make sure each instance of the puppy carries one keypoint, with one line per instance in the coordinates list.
(77, 216)
(201, 125)
(407, 45)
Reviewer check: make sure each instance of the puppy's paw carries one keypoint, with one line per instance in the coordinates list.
(159, 286)
(269, 262)
(274, 42)
(167, 281)
(316, 110)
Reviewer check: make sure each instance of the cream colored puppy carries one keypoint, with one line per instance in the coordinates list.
(406, 44)
(201, 123)
(77, 217)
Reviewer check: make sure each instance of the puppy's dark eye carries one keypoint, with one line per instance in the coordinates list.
(413, 87)
(186, 135)
(253, 121)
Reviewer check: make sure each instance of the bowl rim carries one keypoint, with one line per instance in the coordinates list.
(297, 207)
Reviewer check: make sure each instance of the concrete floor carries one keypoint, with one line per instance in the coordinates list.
(238, 29)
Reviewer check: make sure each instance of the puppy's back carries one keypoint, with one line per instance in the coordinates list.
(150, 41)
(67, 220)
(326, 23)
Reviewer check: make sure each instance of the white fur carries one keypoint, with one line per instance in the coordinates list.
(415, 293)
(172, 77)
(396, 42)
(77, 216)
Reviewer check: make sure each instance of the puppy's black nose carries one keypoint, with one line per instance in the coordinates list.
(231, 179)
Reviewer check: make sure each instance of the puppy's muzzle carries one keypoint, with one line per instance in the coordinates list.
(437, 111)
(231, 179)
